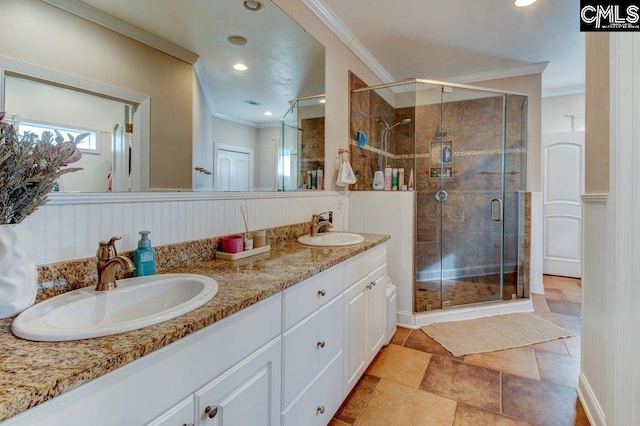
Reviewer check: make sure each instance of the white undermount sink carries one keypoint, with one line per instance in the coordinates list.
(331, 239)
(136, 302)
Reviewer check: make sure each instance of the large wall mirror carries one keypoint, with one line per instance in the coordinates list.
(154, 80)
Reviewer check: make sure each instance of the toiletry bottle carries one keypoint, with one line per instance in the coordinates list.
(144, 257)
(387, 178)
(320, 178)
(356, 186)
(378, 179)
(401, 179)
(314, 178)
(394, 179)
(446, 155)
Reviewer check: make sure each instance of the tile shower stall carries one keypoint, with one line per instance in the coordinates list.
(463, 150)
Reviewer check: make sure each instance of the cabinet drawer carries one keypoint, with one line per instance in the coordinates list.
(310, 345)
(320, 401)
(361, 265)
(309, 295)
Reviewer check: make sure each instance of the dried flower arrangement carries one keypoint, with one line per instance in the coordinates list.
(29, 168)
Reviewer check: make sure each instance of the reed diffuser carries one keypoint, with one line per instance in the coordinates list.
(247, 237)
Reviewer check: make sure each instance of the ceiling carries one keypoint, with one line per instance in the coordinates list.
(284, 61)
(460, 41)
(463, 40)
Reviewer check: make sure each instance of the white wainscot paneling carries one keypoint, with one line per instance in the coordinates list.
(597, 312)
(70, 226)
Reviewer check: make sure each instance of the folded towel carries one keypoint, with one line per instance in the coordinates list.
(362, 138)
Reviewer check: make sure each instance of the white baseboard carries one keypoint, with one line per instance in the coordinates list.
(410, 320)
(590, 403)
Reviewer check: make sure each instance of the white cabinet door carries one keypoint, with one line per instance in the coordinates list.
(247, 394)
(376, 312)
(180, 414)
(355, 335)
(365, 324)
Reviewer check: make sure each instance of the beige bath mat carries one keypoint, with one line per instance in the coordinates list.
(494, 333)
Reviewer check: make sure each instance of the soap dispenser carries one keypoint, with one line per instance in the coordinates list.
(378, 179)
(144, 257)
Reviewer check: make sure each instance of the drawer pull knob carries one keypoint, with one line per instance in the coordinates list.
(321, 344)
(211, 411)
(373, 283)
(369, 286)
(321, 293)
(320, 409)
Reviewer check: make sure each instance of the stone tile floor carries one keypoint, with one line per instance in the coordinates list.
(415, 381)
(463, 291)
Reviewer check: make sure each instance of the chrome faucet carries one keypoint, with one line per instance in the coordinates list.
(108, 262)
(319, 225)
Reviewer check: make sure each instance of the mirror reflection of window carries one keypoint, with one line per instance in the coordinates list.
(40, 106)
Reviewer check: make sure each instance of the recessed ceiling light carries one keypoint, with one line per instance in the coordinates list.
(237, 40)
(268, 113)
(322, 101)
(240, 67)
(252, 5)
(524, 3)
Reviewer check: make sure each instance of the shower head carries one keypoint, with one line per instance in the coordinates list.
(401, 122)
(440, 133)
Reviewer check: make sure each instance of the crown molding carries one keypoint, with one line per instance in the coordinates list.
(235, 120)
(536, 68)
(99, 17)
(334, 23)
(201, 76)
(560, 91)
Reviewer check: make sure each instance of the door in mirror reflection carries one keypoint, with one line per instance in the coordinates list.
(233, 166)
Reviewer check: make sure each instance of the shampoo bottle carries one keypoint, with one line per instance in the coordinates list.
(144, 257)
(387, 178)
(378, 179)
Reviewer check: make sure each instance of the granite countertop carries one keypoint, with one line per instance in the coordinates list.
(34, 372)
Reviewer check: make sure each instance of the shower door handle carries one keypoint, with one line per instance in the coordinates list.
(499, 217)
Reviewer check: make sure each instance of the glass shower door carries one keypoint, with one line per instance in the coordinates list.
(469, 157)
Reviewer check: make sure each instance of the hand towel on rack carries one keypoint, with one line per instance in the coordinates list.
(345, 175)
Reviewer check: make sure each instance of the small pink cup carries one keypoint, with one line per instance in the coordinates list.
(232, 244)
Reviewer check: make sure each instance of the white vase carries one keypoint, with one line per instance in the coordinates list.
(18, 269)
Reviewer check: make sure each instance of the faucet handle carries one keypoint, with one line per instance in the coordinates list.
(107, 249)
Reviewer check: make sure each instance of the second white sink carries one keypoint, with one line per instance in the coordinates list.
(136, 302)
(331, 239)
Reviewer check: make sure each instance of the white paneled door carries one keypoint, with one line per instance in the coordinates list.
(563, 185)
(234, 166)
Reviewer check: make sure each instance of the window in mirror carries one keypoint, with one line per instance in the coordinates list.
(87, 145)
